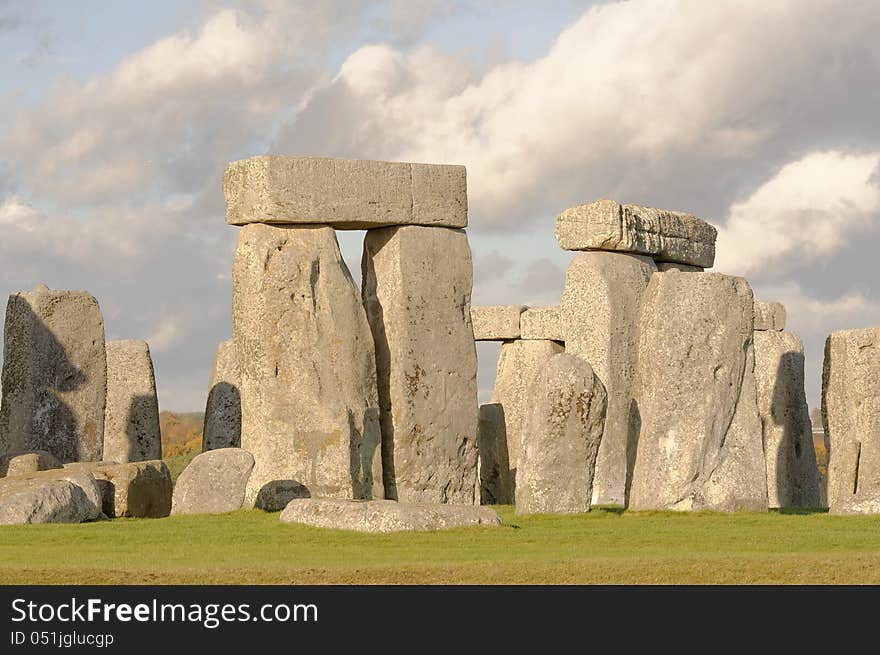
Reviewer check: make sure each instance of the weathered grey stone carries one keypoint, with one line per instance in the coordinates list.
(81, 478)
(23, 463)
(769, 316)
(275, 495)
(385, 515)
(666, 235)
(44, 501)
(54, 375)
(558, 457)
(223, 409)
(792, 475)
(496, 322)
(348, 194)
(306, 364)
(694, 408)
(426, 360)
(662, 267)
(131, 419)
(851, 417)
(214, 482)
(132, 489)
(600, 316)
(543, 323)
(495, 485)
(518, 364)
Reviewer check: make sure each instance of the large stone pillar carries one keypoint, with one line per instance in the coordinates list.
(223, 409)
(306, 364)
(417, 291)
(851, 414)
(131, 420)
(600, 314)
(54, 375)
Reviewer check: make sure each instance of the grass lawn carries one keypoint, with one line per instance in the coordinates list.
(605, 546)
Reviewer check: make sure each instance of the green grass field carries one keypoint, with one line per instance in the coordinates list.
(605, 546)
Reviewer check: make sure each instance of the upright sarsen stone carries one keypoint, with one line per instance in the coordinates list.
(792, 475)
(851, 416)
(54, 375)
(417, 291)
(131, 419)
(562, 438)
(495, 486)
(223, 409)
(600, 316)
(306, 364)
(694, 411)
(769, 316)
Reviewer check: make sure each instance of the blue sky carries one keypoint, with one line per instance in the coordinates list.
(118, 118)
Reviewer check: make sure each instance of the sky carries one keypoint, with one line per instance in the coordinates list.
(118, 118)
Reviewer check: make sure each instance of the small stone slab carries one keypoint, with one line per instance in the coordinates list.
(214, 482)
(385, 515)
(496, 322)
(27, 462)
(347, 194)
(769, 316)
(541, 323)
(665, 235)
(39, 500)
(132, 489)
(274, 496)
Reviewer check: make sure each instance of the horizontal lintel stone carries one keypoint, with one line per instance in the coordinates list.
(541, 323)
(496, 322)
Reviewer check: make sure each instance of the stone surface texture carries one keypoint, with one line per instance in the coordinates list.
(600, 309)
(273, 497)
(132, 489)
(426, 361)
(214, 482)
(541, 323)
(131, 419)
(347, 194)
(54, 375)
(558, 457)
(496, 322)
(44, 501)
(495, 485)
(223, 410)
(31, 462)
(306, 364)
(769, 316)
(665, 235)
(662, 267)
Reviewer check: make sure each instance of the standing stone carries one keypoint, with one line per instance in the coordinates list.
(518, 364)
(792, 475)
(600, 315)
(306, 364)
(562, 440)
(54, 375)
(223, 409)
(851, 416)
(541, 323)
(495, 485)
(694, 408)
(131, 420)
(769, 316)
(496, 322)
(417, 291)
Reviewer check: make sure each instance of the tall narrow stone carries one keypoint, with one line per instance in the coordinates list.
(562, 438)
(518, 364)
(792, 475)
(495, 485)
(600, 315)
(851, 415)
(54, 375)
(131, 420)
(306, 364)
(223, 409)
(694, 411)
(417, 291)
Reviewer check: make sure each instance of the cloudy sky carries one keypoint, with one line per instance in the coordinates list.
(117, 119)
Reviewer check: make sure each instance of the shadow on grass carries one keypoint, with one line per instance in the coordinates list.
(800, 511)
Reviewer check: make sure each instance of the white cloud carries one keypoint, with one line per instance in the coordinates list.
(169, 331)
(810, 208)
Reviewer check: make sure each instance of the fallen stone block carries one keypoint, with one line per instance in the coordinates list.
(495, 485)
(44, 501)
(496, 322)
(792, 475)
(665, 235)
(132, 489)
(851, 417)
(54, 375)
(81, 478)
(346, 194)
(223, 410)
(385, 515)
(600, 309)
(558, 457)
(426, 361)
(131, 419)
(24, 463)
(769, 316)
(541, 323)
(275, 495)
(694, 412)
(213, 483)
